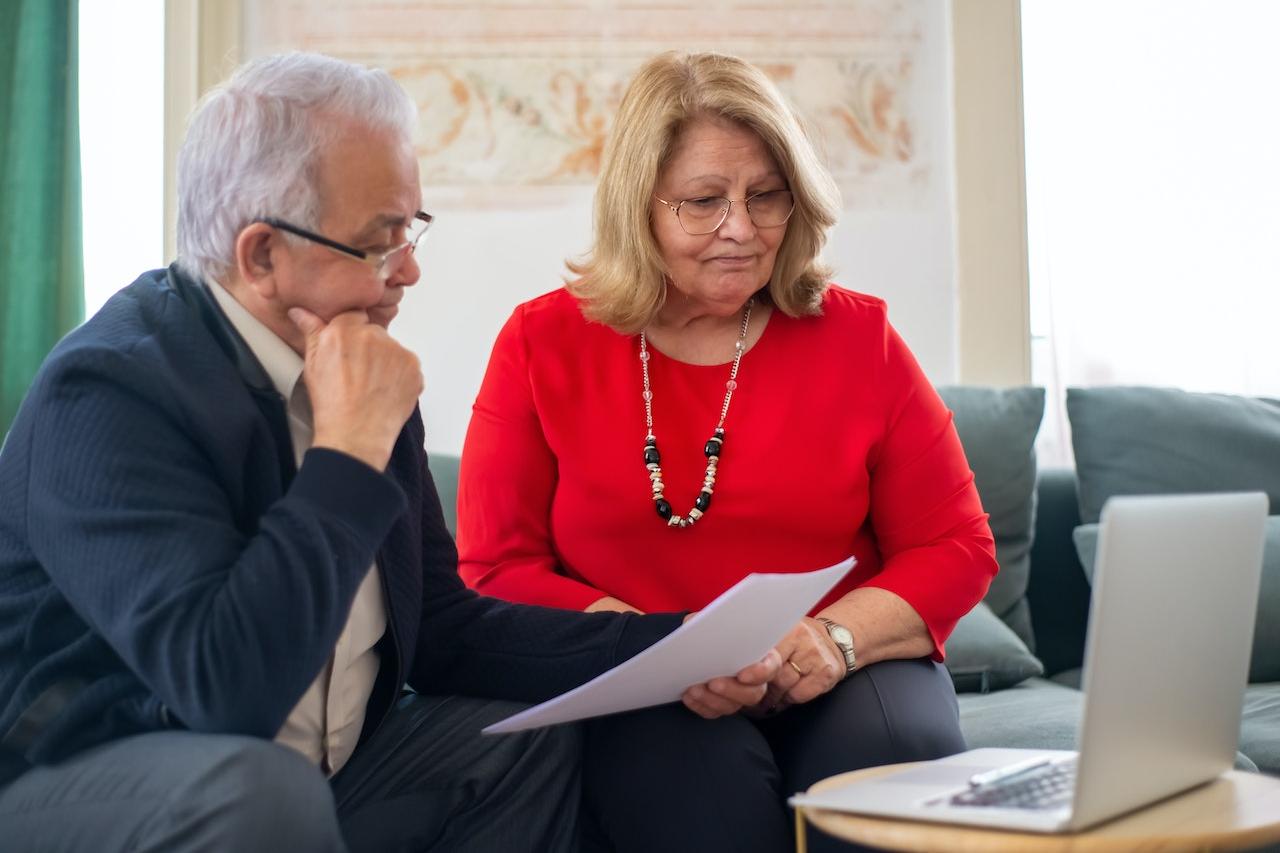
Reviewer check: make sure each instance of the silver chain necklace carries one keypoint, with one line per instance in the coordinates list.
(652, 458)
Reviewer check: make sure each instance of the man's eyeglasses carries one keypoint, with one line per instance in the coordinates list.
(386, 263)
(705, 214)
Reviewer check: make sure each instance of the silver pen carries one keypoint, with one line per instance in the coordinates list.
(1000, 774)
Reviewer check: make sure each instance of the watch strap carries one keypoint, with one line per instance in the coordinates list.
(845, 646)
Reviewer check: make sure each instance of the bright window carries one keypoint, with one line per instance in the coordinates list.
(1152, 196)
(121, 143)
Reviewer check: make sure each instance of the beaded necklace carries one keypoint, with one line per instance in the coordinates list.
(652, 458)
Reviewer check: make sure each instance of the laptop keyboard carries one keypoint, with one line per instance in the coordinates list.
(1045, 787)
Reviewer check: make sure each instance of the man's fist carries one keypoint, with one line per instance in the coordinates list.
(363, 385)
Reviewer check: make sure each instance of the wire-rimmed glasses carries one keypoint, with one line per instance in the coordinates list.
(705, 214)
(387, 263)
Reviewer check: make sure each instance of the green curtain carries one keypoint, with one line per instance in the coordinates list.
(41, 258)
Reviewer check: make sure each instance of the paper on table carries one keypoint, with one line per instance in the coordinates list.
(735, 630)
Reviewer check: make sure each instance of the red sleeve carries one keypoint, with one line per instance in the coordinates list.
(938, 551)
(505, 486)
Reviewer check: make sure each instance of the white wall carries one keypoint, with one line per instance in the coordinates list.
(990, 193)
(477, 265)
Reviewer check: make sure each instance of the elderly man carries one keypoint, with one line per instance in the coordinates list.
(222, 557)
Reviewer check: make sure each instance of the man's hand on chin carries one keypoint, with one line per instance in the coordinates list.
(362, 383)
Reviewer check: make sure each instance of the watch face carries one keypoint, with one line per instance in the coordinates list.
(841, 635)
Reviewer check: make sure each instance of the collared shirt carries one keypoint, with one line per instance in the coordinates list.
(325, 724)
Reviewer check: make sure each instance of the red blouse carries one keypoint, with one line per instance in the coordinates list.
(835, 444)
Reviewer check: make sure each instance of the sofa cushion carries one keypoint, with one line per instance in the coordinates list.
(1037, 714)
(1260, 726)
(1131, 441)
(1264, 665)
(983, 654)
(1073, 677)
(998, 430)
(1058, 591)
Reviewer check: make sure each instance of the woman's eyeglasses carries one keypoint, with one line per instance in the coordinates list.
(705, 214)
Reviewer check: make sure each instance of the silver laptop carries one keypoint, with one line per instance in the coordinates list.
(1175, 588)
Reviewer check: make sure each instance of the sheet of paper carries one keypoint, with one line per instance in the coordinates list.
(735, 630)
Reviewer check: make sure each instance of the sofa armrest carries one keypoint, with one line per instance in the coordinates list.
(1058, 591)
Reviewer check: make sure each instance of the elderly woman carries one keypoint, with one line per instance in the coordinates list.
(700, 403)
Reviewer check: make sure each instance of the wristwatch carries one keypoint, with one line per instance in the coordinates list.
(843, 638)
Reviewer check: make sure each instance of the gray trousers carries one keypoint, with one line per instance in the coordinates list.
(664, 779)
(426, 781)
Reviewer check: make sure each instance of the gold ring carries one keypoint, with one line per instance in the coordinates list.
(796, 668)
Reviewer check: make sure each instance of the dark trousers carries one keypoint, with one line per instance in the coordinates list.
(426, 781)
(665, 779)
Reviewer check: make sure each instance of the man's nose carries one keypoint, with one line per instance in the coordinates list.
(407, 273)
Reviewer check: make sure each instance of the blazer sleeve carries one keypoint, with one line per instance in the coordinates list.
(476, 645)
(938, 551)
(505, 487)
(135, 524)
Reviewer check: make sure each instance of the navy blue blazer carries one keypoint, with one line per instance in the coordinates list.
(163, 564)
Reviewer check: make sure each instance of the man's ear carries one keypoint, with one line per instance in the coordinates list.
(254, 247)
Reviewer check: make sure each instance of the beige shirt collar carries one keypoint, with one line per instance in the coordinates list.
(278, 359)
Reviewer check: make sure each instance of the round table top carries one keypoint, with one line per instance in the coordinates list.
(1236, 811)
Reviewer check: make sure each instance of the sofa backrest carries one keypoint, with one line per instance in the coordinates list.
(444, 470)
(1058, 590)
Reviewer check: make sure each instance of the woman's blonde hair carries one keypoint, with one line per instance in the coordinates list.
(621, 280)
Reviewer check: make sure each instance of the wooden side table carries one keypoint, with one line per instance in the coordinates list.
(1235, 812)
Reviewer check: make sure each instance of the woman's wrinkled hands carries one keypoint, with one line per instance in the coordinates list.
(727, 695)
(812, 664)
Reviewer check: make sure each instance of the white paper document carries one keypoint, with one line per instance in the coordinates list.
(735, 630)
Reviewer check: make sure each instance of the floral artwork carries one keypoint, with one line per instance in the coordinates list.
(521, 94)
(494, 122)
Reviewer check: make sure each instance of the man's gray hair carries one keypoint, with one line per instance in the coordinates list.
(253, 146)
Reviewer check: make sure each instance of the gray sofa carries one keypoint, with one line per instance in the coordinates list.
(1044, 711)
(1126, 441)
(1016, 658)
